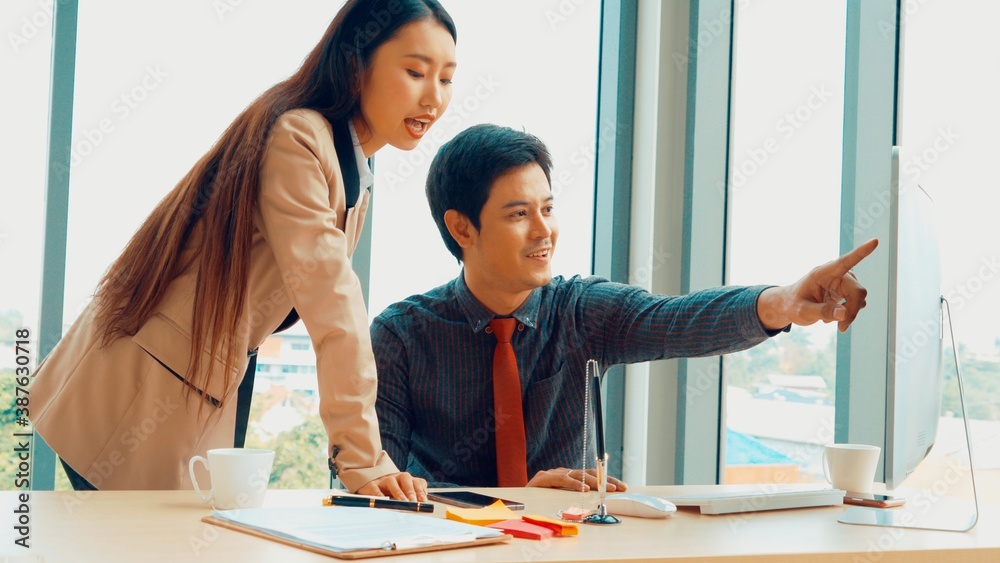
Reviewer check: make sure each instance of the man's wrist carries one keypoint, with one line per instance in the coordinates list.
(771, 307)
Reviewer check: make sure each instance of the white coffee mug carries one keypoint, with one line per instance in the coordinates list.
(851, 467)
(239, 477)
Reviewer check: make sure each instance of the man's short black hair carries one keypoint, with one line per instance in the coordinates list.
(465, 168)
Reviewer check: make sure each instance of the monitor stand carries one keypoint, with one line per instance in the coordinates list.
(944, 514)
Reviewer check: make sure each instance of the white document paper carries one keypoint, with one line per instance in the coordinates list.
(343, 528)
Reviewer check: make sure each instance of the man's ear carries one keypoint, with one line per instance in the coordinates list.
(460, 227)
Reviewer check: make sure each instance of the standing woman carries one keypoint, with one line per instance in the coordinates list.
(256, 235)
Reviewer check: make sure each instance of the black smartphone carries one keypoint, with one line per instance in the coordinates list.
(469, 499)
(872, 499)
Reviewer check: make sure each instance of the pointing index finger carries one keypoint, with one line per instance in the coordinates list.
(844, 264)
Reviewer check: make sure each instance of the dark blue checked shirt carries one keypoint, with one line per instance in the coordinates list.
(435, 363)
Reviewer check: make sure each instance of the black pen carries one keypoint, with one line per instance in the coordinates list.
(377, 502)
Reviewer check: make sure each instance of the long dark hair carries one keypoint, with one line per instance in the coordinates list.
(219, 195)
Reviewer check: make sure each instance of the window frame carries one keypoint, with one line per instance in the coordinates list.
(870, 114)
(64, 28)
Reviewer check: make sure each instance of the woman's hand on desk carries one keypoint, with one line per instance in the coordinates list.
(572, 480)
(399, 486)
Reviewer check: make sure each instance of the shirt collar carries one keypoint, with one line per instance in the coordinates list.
(479, 316)
(364, 172)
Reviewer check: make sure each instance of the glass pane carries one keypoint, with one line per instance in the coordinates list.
(948, 127)
(787, 125)
(23, 162)
(143, 115)
(520, 66)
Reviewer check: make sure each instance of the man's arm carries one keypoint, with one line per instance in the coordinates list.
(622, 324)
(625, 324)
(393, 402)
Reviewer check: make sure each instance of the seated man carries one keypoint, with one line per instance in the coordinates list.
(438, 353)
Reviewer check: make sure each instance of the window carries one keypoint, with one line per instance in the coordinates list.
(25, 59)
(949, 122)
(143, 115)
(946, 126)
(787, 119)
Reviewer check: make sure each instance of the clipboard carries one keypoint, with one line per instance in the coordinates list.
(358, 553)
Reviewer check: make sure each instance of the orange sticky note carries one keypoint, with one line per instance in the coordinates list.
(558, 526)
(496, 512)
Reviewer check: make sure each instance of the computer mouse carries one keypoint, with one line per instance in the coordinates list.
(640, 505)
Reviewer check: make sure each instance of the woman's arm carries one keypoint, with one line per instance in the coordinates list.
(301, 195)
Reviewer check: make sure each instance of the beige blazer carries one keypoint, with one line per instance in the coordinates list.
(119, 415)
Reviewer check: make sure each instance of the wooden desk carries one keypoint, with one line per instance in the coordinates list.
(166, 526)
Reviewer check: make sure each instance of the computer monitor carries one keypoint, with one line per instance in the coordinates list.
(913, 363)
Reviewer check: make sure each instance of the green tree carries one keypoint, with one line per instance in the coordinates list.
(300, 457)
(981, 380)
(8, 427)
(788, 354)
(10, 321)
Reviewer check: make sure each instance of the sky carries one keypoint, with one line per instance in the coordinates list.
(145, 113)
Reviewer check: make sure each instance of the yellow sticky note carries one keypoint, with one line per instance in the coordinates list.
(558, 526)
(485, 516)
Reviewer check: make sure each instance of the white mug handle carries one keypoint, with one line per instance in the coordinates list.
(826, 469)
(194, 480)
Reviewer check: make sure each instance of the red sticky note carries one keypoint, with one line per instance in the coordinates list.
(521, 529)
(575, 514)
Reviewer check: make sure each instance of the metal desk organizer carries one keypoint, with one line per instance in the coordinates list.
(600, 514)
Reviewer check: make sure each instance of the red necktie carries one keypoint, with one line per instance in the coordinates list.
(512, 469)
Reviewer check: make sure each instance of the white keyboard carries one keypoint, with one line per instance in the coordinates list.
(730, 502)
